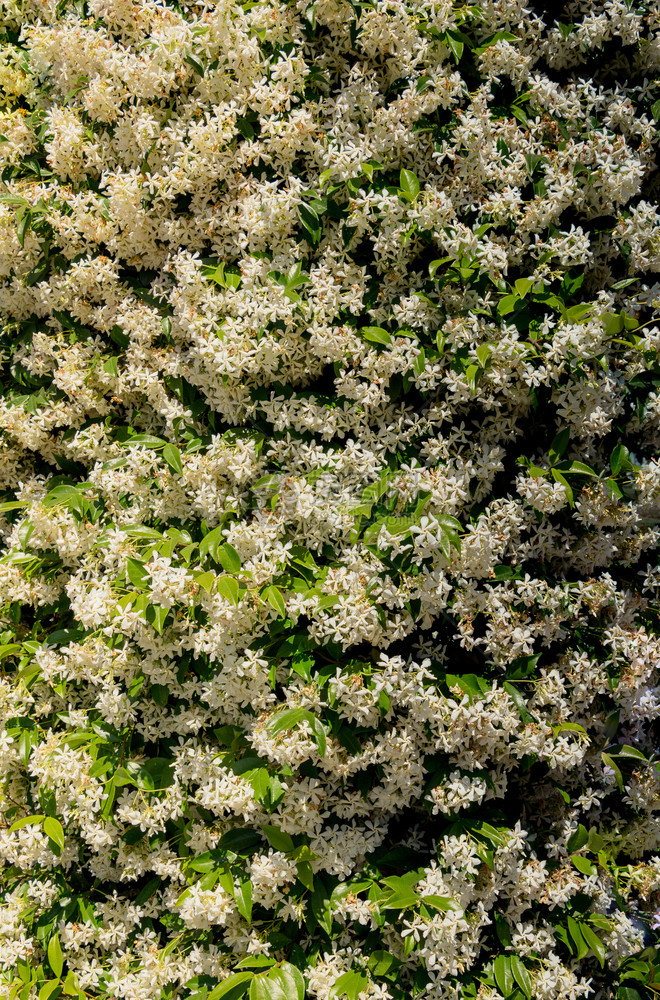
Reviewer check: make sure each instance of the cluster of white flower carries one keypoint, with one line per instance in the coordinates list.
(330, 507)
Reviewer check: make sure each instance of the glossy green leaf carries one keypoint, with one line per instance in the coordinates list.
(349, 984)
(274, 597)
(521, 976)
(53, 830)
(375, 334)
(55, 957)
(26, 821)
(231, 987)
(594, 942)
(210, 544)
(578, 839)
(503, 974)
(559, 446)
(409, 185)
(583, 865)
(172, 456)
(582, 948)
(228, 558)
(228, 587)
(278, 839)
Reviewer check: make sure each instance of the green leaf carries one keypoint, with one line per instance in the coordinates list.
(53, 830)
(507, 304)
(618, 285)
(628, 992)
(305, 874)
(614, 488)
(283, 983)
(569, 727)
(26, 821)
(436, 264)
(419, 364)
(382, 962)
(350, 985)
(609, 761)
(522, 286)
(619, 459)
(612, 323)
(9, 649)
(455, 41)
(311, 224)
(580, 944)
(502, 930)
(289, 719)
(65, 496)
(145, 440)
(234, 985)
(596, 842)
(401, 899)
(286, 983)
(444, 903)
(559, 446)
(409, 185)
(156, 616)
(626, 751)
(319, 734)
(156, 773)
(160, 694)
(483, 353)
(376, 334)
(321, 909)
(557, 476)
(518, 701)
(472, 373)
(583, 865)
(578, 839)
(241, 841)
(521, 975)
(534, 160)
(216, 274)
(24, 227)
(259, 988)
(575, 469)
(260, 782)
(49, 988)
(196, 65)
(228, 587)
(503, 974)
(205, 580)
(172, 456)
(274, 597)
(55, 957)
(210, 544)
(255, 962)
(493, 39)
(243, 896)
(244, 126)
(277, 839)
(110, 367)
(140, 531)
(228, 558)
(137, 573)
(594, 942)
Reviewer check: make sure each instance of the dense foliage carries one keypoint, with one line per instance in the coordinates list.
(328, 572)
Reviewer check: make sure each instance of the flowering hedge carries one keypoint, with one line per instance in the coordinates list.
(328, 574)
